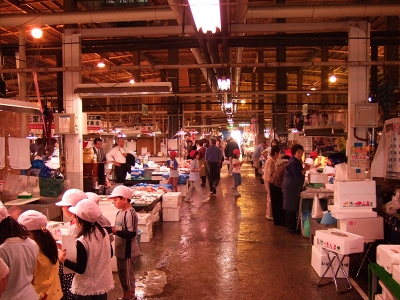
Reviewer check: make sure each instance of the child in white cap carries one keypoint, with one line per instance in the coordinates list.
(45, 276)
(93, 260)
(20, 254)
(126, 246)
(70, 198)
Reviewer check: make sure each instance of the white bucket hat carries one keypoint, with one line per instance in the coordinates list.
(71, 197)
(87, 210)
(121, 191)
(33, 220)
(93, 196)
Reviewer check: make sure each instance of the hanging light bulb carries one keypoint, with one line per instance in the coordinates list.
(37, 33)
(132, 81)
(332, 78)
(101, 64)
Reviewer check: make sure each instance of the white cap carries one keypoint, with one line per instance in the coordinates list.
(33, 220)
(71, 197)
(86, 210)
(93, 196)
(309, 161)
(121, 191)
(3, 212)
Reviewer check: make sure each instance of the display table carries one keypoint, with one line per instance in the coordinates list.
(375, 273)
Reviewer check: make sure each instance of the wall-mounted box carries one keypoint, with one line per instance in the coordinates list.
(65, 123)
(365, 115)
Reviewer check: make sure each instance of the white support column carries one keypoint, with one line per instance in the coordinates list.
(73, 104)
(358, 48)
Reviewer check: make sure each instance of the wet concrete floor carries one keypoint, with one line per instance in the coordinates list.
(227, 249)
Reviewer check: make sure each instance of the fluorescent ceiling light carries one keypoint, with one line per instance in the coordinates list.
(206, 14)
(19, 106)
(122, 89)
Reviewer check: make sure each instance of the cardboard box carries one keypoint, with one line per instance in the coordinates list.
(387, 256)
(340, 241)
(317, 178)
(369, 228)
(315, 225)
(320, 262)
(355, 201)
(346, 213)
(144, 218)
(172, 199)
(396, 273)
(146, 228)
(146, 237)
(355, 187)
(171, 214)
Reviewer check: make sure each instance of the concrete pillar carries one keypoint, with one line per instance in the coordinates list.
(173, 101)
(73, 104)
(359, 41)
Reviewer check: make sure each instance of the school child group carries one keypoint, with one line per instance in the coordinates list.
(31, 263)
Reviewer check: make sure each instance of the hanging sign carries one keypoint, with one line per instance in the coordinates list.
(94, 122)
(392, 133)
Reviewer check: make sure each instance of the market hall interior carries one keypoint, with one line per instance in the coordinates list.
(227, 249)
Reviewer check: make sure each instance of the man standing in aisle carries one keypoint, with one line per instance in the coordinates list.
(256, 157)
(213, 158)
(232, 145)
(101, 159)
(117, 156)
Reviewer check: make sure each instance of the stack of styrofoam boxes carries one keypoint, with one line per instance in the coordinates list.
(337, 241)
(354, 199)
(171, 206)
(155, 213)
(388, 257)
(145, 224)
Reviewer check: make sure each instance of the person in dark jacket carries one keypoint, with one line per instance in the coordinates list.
(232, 145)
(292, 185)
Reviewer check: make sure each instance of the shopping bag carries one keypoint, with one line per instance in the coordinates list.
(316, 210)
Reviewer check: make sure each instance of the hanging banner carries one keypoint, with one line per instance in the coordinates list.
(392, 133)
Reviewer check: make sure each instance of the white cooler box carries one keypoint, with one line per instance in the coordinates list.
(319, 262)
(355, 194)
(355, 201)
(171, 214)
(144, 218)
(396, 273)
(146, 237)
(172, 199)
(183, 188)
(351, 213)
(146, 228)
(387, 256)
(369, 228)
(339, 241)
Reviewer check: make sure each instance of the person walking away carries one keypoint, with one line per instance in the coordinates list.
(292, 185)
(214, 159)
(269, 168)
(230, 147)
(126, 246)
(45, 276)
(275, 187)
(203, 163)
(237, 176)
(172, 164)
(257, 155)
(194, 178)
(20, 254)
(117, 156)
(93, 278)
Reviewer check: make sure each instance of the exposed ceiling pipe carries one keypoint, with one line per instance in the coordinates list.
(165, 13)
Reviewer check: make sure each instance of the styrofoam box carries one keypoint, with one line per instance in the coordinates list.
(369, 228)
(158, 205)
(146, 237)
(155, 217)
(183, 188)
(386, 294)
(320, 261)
(144, 218)
(355, 187)
(172, 199)
(340, 241)
(396, 273)
(355, 201)
(171, 214)
(146, 228)
(317, 178)
(346, 213)
(387, 256)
